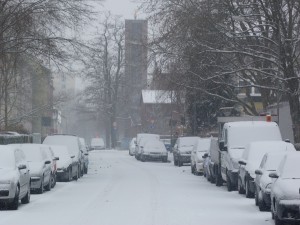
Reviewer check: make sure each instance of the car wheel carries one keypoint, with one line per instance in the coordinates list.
(77, 175)
(241, 190)
(249, 194)
(192, 169)
(277, 220)
(49, 185)
(228, 182)
(175, 162)
(179, 162)
(53, 180)
(219, 180)
(15, 204)
(26, 198)
(69, 175)
(41, 189)
(260, 202)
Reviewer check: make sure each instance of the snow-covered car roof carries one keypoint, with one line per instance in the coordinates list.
(70, 141)
(242, 133)
(33, 152)
(187, 141)
(203, 144)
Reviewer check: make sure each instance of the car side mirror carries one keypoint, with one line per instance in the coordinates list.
(86, 153)
(258, 172)
(222, 146)
(242, 162)
(56, 158)
(274, 175)
(73, 156)
(22, 167)
(47, 162)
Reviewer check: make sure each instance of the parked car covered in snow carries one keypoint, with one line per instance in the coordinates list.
(39, 165)
(132, 146)
(211, 162)
(251, 160)
(51, 156)
(182, 151)
(14, 177)
(234, 139)
(64, 164)
(74, 148)
(97, 144)
(155, 150)
(142, 138)
(263, 182)
(285, 196)
(200, 148)
(85, 153)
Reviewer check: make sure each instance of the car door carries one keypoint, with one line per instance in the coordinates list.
(23, 173)
(46, 167)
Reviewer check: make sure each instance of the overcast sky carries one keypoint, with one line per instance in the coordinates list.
(125, 8)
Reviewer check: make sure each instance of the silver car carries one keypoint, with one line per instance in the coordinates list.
(40, 166)
(14, 177)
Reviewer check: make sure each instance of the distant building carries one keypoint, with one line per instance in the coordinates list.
(135, 79)
(159, 111)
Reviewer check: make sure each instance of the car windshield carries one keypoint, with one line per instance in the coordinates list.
(32, 153)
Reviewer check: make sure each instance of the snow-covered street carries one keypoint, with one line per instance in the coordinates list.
(118, 189)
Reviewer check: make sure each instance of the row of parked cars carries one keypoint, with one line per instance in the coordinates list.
(248, 156)
(27, 168)
(148, 147)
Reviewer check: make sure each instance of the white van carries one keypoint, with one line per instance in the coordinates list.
(235, 137)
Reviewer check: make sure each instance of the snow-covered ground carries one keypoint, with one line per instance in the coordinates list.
(121, 190)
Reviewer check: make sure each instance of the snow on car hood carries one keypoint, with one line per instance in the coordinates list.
(35, 167)
(154, 149)
(287, 189)
(7, 174)
(186, 148)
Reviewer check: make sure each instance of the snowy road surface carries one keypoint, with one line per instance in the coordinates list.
(119, 190)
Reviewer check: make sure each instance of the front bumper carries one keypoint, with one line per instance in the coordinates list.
(154, 156)
(288, 210)
(199, 167)
(35, 182)
(184, 158)
(7, 192)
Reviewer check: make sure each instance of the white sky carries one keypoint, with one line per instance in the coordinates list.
(125, 8)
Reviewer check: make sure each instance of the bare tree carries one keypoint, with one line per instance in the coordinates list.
(104, 71)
